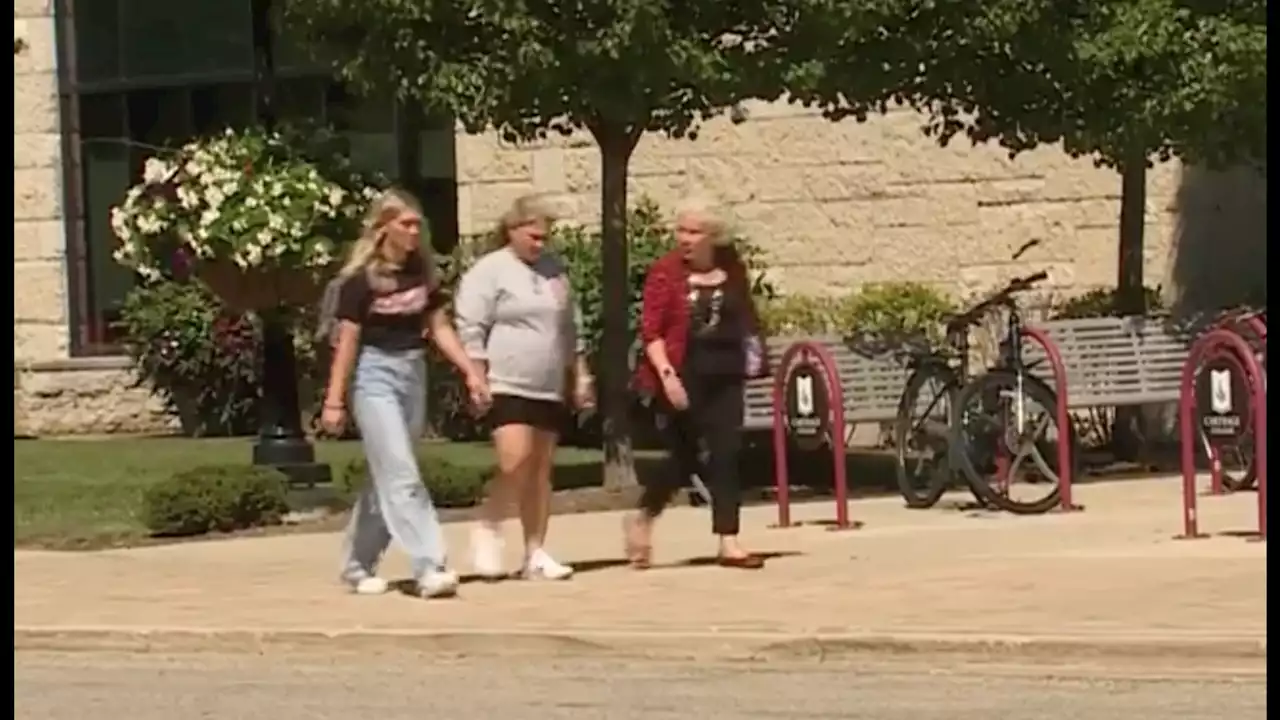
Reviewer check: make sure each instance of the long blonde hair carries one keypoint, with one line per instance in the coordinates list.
(367, 253)
(535, 207)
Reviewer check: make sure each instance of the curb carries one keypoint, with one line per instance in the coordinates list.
(708, 645)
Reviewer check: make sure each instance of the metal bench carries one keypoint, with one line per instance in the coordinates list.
(872, 387)
(1115, 361)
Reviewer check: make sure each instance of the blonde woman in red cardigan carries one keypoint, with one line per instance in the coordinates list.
(702, 341)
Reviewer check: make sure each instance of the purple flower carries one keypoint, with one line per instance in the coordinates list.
(181, 262)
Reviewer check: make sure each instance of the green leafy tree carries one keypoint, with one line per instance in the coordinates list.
(613, 68)
(1121, 81)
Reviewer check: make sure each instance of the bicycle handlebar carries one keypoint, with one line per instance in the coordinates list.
(974, 315)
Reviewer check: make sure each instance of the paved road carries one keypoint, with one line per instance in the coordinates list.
(391, 687)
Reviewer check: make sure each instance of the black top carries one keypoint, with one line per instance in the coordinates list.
(717, 332)
(392, 319)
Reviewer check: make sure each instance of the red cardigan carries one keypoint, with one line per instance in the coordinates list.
(664, 311)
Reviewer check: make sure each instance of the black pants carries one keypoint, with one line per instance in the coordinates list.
(713, 421)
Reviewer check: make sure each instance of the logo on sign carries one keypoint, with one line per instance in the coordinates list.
(804, 394)
(1220, 397)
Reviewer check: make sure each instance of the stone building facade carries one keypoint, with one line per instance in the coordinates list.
(834, 205)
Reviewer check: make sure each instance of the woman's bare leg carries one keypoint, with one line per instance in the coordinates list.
(515, 448)
(535, 511)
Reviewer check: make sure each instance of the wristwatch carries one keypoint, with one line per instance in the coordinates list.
(667, 373)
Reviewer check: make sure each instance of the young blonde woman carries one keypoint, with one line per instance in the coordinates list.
(516, 315)
(388, 302)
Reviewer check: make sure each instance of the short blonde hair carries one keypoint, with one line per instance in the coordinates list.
(535, 207)
(712, 216)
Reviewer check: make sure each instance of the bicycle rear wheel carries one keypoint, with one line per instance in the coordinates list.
(1000, 415)
(921, 435)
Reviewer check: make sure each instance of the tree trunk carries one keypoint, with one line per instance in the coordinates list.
(616, 143)
(1131, 297)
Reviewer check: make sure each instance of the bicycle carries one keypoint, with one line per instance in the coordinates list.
(922, 442)
(994, 429)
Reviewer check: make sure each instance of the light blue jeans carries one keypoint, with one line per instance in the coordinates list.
(389, 403)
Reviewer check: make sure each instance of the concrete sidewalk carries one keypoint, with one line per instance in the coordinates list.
(1111, 578)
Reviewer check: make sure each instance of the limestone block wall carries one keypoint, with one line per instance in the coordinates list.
(53, 393)
(836, 205)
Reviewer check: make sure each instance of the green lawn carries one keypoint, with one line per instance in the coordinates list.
(82, 493)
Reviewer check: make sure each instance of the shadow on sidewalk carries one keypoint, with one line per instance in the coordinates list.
(407, 586)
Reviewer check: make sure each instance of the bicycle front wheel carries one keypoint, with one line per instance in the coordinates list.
(1003, 419)
(921, 435)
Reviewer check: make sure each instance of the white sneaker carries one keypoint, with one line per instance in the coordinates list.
(541, 566)
(438, 583)
(369, 585)
(486, 553)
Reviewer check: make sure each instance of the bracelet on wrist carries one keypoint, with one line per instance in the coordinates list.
(334, 406)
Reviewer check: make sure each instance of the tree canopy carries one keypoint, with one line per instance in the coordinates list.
(1110, 79)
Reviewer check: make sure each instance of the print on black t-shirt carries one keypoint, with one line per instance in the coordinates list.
(391, 318)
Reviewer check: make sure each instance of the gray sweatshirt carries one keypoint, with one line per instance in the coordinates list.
(523, 320)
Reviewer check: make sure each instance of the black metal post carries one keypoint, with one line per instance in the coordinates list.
(281, 442)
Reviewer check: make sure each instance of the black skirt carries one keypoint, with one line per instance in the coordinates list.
(546, 415)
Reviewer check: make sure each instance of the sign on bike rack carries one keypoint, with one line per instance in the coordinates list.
(1223, 400)
(1216, 345)
(808, 416)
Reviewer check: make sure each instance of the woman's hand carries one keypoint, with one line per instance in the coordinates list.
(333, 418)
(675, 392)
(584, 393)
(478, 391)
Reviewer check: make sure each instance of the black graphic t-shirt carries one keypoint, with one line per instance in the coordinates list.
(717, 329)
(392, 319)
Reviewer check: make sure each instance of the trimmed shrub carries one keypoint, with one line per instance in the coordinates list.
(883, 308)
(219, 498)
(1102, 303)
(451, 485)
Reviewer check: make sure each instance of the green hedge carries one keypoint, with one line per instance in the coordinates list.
(218, 498)
(451, 485)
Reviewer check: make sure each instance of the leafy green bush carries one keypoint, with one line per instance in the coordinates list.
(896, 308)
(884, 308)
(788, 315)
(1102, 302)
(200, 360)
(215, 498)
(451, 485)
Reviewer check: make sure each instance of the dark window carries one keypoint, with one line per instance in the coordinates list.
(153, 74)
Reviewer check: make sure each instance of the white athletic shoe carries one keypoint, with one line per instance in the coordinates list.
(438, 583)
(369, 585)
(541, 566)
(486, 552)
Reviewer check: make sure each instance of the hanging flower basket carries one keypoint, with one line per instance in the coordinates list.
(243, 289)
(260, 217)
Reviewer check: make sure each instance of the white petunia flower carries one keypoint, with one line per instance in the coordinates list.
(156, 170)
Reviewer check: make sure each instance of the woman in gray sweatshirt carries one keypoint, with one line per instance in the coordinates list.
(517, 318)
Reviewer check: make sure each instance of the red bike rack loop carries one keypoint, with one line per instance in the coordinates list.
(1220, 339)
(1256, 328)
(1065, 441)
(835, 397)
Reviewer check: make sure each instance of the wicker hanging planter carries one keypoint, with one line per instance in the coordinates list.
(245, 289)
